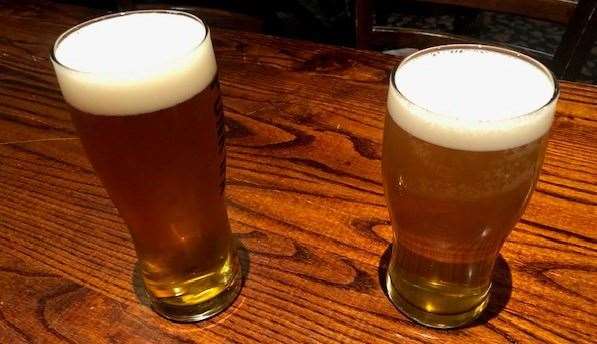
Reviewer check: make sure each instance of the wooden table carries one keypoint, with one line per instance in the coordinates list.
(306, 201)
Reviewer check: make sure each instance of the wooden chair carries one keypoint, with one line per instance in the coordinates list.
(580, 20)
(215, 17)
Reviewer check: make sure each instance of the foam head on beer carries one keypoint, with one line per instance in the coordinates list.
(134, 63)
(472, 98)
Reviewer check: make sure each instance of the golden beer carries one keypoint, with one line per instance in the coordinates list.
(153, 128)
(458, 177)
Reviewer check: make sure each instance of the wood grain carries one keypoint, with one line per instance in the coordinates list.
(305, 198)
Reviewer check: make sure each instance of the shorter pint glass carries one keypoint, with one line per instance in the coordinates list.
(144, 97)
(464, 140)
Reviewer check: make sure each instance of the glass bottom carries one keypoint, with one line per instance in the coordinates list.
(197, 307)
(430, 319)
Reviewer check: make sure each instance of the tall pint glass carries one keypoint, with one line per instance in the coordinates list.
(464, 140)
(143, 91)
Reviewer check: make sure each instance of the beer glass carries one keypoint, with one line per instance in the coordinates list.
(464, 140)
(143, 92)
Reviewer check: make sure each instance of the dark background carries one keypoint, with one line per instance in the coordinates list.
(332, 22)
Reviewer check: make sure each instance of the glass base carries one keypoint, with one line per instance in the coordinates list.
(199, 311)
(435, 320)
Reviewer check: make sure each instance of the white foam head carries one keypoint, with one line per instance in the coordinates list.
(133, 63)
(471, 97)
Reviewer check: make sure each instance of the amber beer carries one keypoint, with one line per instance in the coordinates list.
(464, 141)
(145, 100)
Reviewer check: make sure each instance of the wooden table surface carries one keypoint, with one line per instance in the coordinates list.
(305, 199)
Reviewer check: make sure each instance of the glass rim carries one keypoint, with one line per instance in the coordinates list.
(510, 52)
(79, 26)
